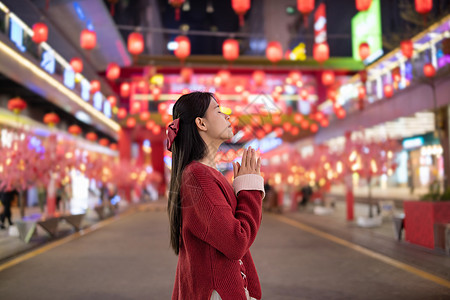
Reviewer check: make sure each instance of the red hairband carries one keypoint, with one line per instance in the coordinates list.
(172, 131)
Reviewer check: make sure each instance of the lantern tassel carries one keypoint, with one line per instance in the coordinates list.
(111, 9)
(241, 20)
(305, 20)
(47, 4)
(177, 14)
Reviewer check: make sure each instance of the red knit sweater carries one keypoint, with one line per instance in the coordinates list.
(218, 229)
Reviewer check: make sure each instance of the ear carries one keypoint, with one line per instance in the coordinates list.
(200, 124)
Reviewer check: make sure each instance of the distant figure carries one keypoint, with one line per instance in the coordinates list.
(306, 194)
(7, 198)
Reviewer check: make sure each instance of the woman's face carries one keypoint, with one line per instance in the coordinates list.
(217, 122)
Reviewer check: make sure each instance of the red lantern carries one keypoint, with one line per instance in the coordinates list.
(91, 136)
(131, 122)
(364, 51)
(278, 132)
(363, 5)
(276, 119)
(267, 128)
(184, 47)
(295, 131)
(396, 74)
(287, 126)
(332, 94)
(156, 130)
(388, 90)
(259, 77)
(304, 124)
(149, 125)
(88, 39)
(156, 93)
(112, 71)
(95, 86)
(51, 119)
(304, 94)
(125, 90)
(429, 70)
(186, 74)
(314, 128)
(135, 107)
(324, 122)
(274, 52)
(104, 142)
(122, 113)
(74, 130)
(424, 6)
(305, 7)
(407, 48)
(321, 52)
(144, 116)
(135, 43)
(240, 7)
(340, 113)
(361, 92)
(298, 118)
(113, 146)
(230, 49)
(295, 76)
(112, 100)
(40, 33)
(319, 116)
(77, 64)
(176, 4)
(224, 77)
(363, 76)
(327, 78)
(17, 105)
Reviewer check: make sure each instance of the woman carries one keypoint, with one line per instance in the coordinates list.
(212, 224)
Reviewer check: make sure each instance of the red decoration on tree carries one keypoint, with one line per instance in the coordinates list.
(88, 39)
(429, 70)
(122, 113)
(327, 78)
(388, 91)
(240, 7)
(16, 105)
(259, 77)
(304, 124)
(135, 43)
(230, 49)
(364, 51)
(314, 128)
(51, 119)
(274, 52)
(40, 33)
(304, 94)
(321, 52)
(298, 118)
(74, 130)
(95, 86)
(305, 7)
(125, 90)
(77, 64)
(91, 136)
(184, 47)
(363, 5)
(424, 6)
(407, 48)
(112, 71)
(396, 74)
(104, 142)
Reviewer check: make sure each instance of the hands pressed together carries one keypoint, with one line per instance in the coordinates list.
(250, 164)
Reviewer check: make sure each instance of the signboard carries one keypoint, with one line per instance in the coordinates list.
(366, 27)
(85, 89)
(69, 78)
(320, 24)
(16, 35)
(98, 100)
(48, 62)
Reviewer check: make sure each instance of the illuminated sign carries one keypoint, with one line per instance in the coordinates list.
(16, 34)
(69, 78)
(107, 109)
(366, 28)
(98, 100)
(413, 143)
(85, 89)
(48, 62)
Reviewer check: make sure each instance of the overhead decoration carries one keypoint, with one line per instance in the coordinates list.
(122, 113)
(328, 78)
(113, 71)
(88, 39)
(424, 6)
(304, 94)
(230, 49)
(274, 52)
(388, 90)
(184, 47)
(177, 5)
(77, 64)
(144, 116)
(74, 130)
(363, 5)
(112, 4)
(305, 7)
(429, 70)
(40, 33)
(51, 119)
(364, 51)
(91, 136)
(113, 146)
(125, 90)
(95, 86)
(363, 76)
(321, 52)
(259, 77)
(135, 43)
(240, 7)
(16, 105)
(186, 74)
(156, 93)
(112, 100)
(104, 142)
(407, 48)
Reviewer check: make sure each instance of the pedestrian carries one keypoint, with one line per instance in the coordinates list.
(7, 198)
(306, 195)
(212, 223)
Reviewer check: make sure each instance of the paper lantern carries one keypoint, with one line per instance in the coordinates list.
(388, 90)
(363, 76)
(429, 70)
(240, 7)
(396, 76)
(298, 118)
(341, 113)
(104, 142)
(186, 74)
(364, 51)
(314, 128)
(113, 146)
(287, 126)
(304, 94)
(407, 48)
(274, 52)
(304, 124)
(361, 92)
(95, 86)
(424, 6)
(305, 7)
(184, 47)
(40, 33)
(91, 136)
(324, 122)
(135, 107)
(156, 130)
(327, 78)
(176, 4)
(144, 116)
(267, 128)
(259, 77)
(131, 122)
(156, 93)
(77, 64)
(51, 119)
(319, 116)
(332, 94)
(295, 131)
(88, 39)
(74, 130)
(363, 5)
(112, 100)
(112, 71)
(224, 77)
(135, 43)
(16, 105)
(149, 125)
(276, 119)
(321, 52)
(125, 90)
(230, 49)
(122, 113)
(295, 76)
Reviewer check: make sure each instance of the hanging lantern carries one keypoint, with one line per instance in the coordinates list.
(95, 86)
(40, 33)
(91, 136)
(332, 94)
(361, 92)
(230, 49)
(131, 122)
(51, 119)
(156, 93)
(304, 94)
(74, 130)
(363, 76)
(88, 39)
(16, 105)
(298, 118)
(77, 64)
(112, 71)
(295, 76)
(224, 77)
(274, 52)
(319, 116)
(122, 113)
(324, 122)
(149, 125)
(267, 128)
(396, 76)
(135, 43)
(240, 7)
(186, 74)
(144, 116)
(341, 113)
(276, 119)
(305, 7)
(113, 146)
(327, 78)
(295, 131)
(104, 142)
(364, 51)
(314, 128)
(424, 6)
(287, 126)
(184, 47)
(304, 124)
(429, 70)
(176, 4)
(321, 52)
(363, 5)
(407, 48)
(388, 90)
(245, 96)
(259, 77)
(125, 90)
(112, 100)
(135, 107)
(156, 130)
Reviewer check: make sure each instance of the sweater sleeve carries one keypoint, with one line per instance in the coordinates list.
(211, 219)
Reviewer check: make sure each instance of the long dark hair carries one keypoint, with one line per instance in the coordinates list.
(187, 147)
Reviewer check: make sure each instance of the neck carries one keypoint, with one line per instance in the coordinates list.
(211, 152)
